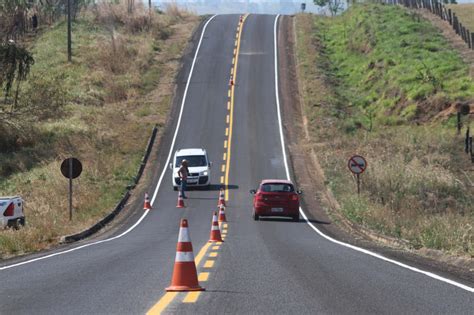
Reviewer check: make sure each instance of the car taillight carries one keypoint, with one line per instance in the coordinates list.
(294, 197)
(9, 211)
(258, 197)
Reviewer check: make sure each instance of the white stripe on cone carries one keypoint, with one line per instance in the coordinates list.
(184, 257)
(184, 236)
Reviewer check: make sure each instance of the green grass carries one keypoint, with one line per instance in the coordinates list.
(367, 82)
(386, 59)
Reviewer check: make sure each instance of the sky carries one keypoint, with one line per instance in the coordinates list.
(247, 6)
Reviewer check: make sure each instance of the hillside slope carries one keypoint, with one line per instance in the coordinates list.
(382, 82)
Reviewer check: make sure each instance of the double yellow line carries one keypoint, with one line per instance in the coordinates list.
(192, 297)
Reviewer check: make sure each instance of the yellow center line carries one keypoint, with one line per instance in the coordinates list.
(227, 119)
(215, 247)
(222, 180)
(231, 109)
(223, 168)
(228, 105)
(209, 264)
(224, 157)
(213, 254)
(225, 144)
(225, 225)
(192, 297)
(203, 276)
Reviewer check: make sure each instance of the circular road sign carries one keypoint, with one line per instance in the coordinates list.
(76, 168)
(357, 164)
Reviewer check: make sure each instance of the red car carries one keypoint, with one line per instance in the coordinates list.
(276, 197)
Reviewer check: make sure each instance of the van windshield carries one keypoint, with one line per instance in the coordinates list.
(193, 160)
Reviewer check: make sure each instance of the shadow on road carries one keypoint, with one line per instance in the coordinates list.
(281, 219)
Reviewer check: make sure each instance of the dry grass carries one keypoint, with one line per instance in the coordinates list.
(419, 184)
(465, 12)
(119, 87)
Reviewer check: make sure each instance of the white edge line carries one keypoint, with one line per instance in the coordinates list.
(157, 185)
(359, 249)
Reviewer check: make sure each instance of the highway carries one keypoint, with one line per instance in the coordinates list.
(268, 266)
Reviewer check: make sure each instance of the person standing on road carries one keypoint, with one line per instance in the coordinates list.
(183, 173)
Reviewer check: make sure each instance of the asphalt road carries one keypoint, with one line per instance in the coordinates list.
(270, 266)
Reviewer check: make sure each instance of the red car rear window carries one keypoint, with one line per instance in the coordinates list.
(277, 188)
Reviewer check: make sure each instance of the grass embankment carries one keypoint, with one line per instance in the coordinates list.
(380, 81)
(119, 85)
(465, 13)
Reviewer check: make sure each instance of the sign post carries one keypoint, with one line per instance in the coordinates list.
(71, 168)
(357, 165)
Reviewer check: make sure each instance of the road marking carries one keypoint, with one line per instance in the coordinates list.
(233, 61)
(163, 303)
(236, 43)
(225, 144)
(223, 168)
(231, 71)
(191, 297)
(227, 132)
(228, 93)
(227, 119)
(213, 254)
(145, 213)
(225, 225)
(222, 180)
(231, 108)
(224, 157)
(359, 249)
(216, 247)
(235, 51)
(228, 105)
(209, 264)
(203, 276)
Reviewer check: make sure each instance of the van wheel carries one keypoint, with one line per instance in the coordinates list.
(22, 221)
(296, 218)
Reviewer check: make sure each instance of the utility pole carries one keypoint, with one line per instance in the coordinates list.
(69, 44)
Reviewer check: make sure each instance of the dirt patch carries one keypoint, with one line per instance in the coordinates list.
(318, 202)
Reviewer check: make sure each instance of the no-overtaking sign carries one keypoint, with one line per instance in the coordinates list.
(357, 164)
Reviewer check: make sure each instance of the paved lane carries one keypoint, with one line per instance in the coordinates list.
(128, 275)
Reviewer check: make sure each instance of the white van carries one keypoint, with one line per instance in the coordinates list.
(198, 164)
(11, 212)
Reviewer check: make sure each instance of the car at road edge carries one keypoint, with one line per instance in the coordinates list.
(11, 212)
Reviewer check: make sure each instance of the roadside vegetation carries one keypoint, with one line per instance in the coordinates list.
(382, 82)
(100, 108)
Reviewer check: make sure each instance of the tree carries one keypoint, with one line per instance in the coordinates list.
(15, 63)
(334, 6)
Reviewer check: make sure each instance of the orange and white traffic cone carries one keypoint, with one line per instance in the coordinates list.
(180, 201)
(222, 217)
(231, 81)
(221, 201)
(215, 230)
(147, 204)
(241, 19)
(184, 272)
